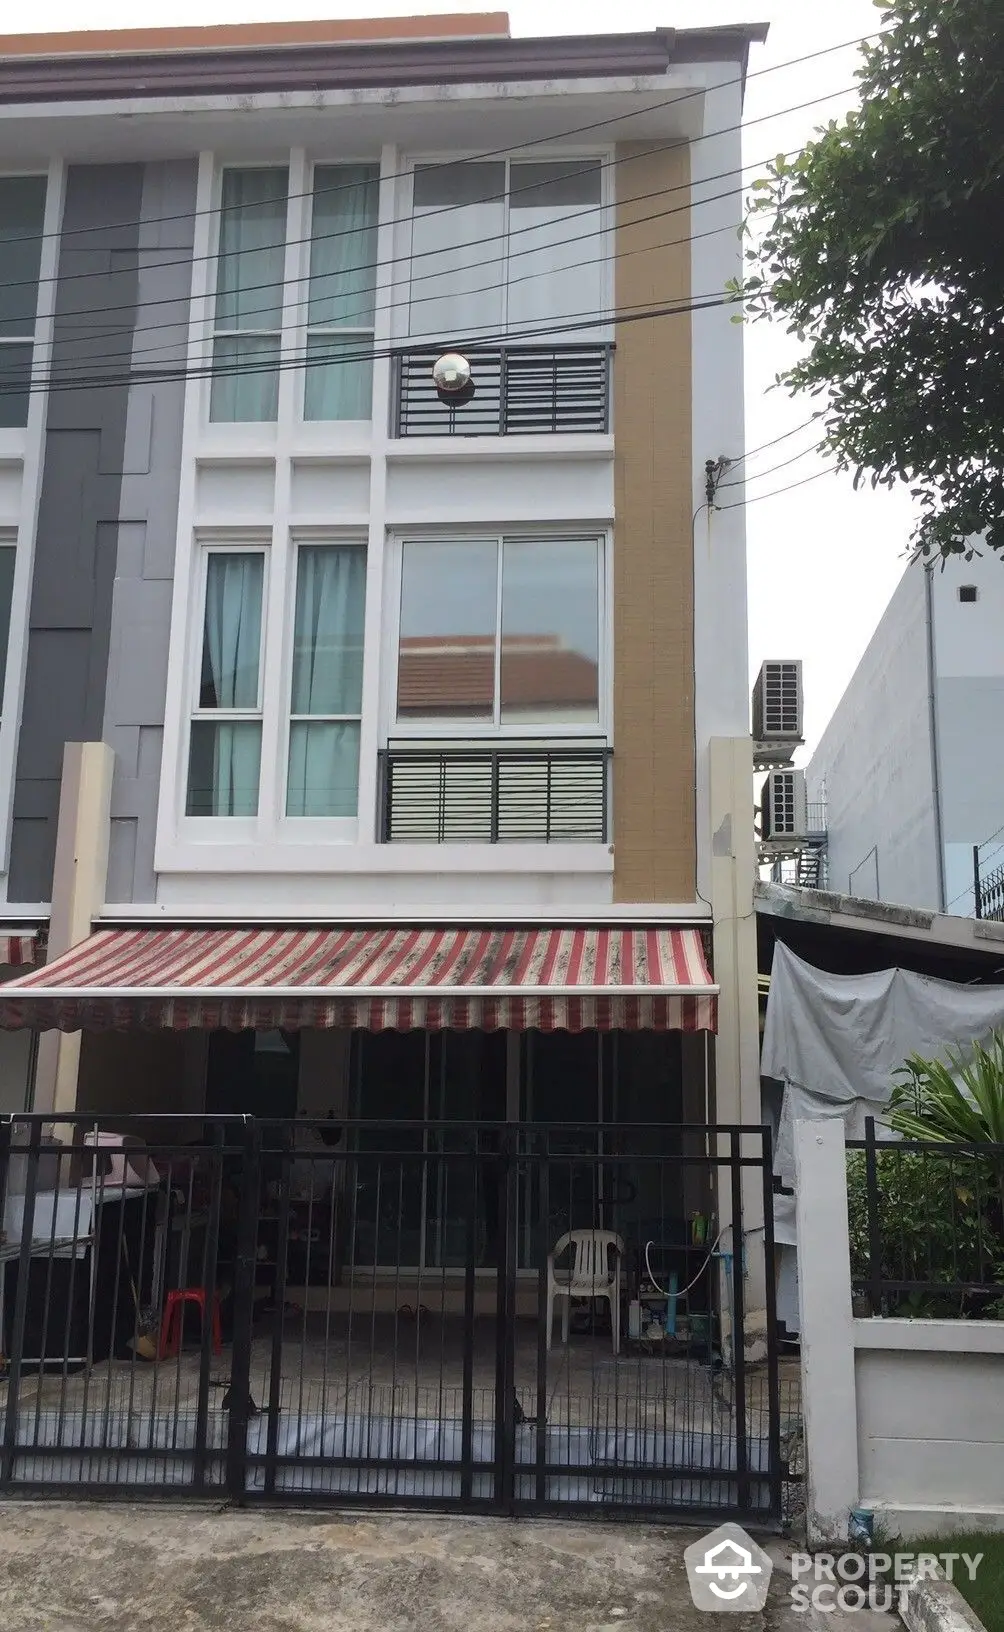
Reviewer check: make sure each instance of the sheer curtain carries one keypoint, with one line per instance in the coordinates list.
(326, 699)
(225, 754)
(342, 292)
(249, 295)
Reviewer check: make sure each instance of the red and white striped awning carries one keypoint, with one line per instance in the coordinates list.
(16, 950)
(378, 979)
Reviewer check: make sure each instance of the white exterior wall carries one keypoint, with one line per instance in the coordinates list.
(902, 1417)
(969, 663)
(721, 662)
(873, 765)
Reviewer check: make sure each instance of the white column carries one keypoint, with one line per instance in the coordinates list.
(829, 1392)
(737, 1045)
(78, 893)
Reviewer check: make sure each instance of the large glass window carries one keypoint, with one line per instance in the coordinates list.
(555, 270)
(327, 681)
(249, 284)
(458, 248)
(343, 253)
(225, 745)
(22, 213)
(505, 244)
(502, 631)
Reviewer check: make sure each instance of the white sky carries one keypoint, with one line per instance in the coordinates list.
(823, 560)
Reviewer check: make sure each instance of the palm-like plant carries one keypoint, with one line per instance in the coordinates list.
(960, 1102)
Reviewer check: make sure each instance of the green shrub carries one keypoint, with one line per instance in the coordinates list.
(937, 1224)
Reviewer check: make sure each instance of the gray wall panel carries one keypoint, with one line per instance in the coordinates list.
(70, 617)
(141, 609)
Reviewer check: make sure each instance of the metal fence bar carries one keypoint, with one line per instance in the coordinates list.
(773, 1379)
(384, 1383)
(244, 1285)
(739, 1318)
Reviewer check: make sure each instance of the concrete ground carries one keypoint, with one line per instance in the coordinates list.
(385, 1367)
(77, 1568)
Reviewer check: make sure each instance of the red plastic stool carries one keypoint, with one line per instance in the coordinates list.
(174, 1319)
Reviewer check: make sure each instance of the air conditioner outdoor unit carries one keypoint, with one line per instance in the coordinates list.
(777, 701)
(784, 813)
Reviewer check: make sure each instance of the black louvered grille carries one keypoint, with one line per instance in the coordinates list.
(518, 391)
(458, 796)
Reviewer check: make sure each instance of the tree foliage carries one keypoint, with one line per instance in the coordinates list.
(883, 249)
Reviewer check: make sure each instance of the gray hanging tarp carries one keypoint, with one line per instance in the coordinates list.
(835, 1042)
(842, 1037)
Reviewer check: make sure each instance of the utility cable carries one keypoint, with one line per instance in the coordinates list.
(756, 476)
(741, 504)
(404, 220)
(273, 288)
(492, 153)
(366, 319)
(94, 381)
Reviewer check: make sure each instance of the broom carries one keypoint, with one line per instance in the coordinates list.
(144, 1344)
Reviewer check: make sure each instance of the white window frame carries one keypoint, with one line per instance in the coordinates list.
(207, 544)
(335, 330)
(495, 731)
(271, 825)
(32, 338)
(308, 829)
(216, 333)
(294, 331)
(600, 334)
(23, 448)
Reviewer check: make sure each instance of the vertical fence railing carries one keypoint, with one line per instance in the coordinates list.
(926, 1225)
(373, 1315)
(988, 889)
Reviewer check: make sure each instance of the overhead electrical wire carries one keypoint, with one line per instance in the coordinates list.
(499, 152)
(92, 381)
(404, 220)
(757, 475)
(741, 504)
(91, 336)
(407, 260)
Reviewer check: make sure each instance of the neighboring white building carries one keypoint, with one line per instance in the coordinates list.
(909, 767)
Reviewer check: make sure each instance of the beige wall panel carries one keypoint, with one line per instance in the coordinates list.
(654, 752)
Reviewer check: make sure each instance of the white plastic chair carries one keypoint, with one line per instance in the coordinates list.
(588, 1274)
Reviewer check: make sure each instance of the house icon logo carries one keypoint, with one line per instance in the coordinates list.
(728, 1572)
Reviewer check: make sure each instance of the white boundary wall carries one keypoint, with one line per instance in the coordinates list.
(904, 1418)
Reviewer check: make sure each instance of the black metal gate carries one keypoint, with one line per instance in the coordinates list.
(487, 1317)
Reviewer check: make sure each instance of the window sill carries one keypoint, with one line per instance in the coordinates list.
(582, 445)
(232, 853)
(323, 440)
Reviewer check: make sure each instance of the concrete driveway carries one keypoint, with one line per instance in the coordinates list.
(80, 1568)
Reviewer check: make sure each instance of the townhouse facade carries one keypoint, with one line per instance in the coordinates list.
(316, 673)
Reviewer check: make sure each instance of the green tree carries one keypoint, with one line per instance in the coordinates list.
(883, 249)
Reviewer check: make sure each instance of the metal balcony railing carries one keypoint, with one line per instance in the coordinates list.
(518, 390)
(447, 795)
